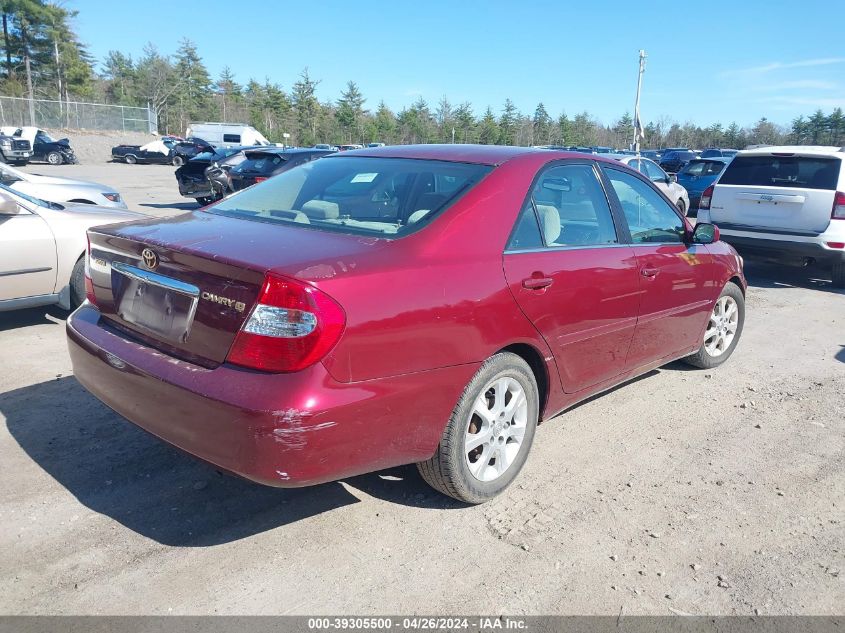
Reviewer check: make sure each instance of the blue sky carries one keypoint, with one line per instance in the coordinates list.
(714, 61)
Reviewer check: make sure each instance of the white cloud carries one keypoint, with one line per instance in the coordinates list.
(767, 68)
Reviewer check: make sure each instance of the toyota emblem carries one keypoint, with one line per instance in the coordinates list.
(150, 258)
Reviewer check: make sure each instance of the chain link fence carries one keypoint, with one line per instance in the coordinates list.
(76, 115)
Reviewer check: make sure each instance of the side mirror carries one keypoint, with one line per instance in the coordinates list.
(705, 233)
(671, 178)
(9, 206)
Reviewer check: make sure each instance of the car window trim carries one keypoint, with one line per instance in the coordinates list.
(529, 197)
(655, 188)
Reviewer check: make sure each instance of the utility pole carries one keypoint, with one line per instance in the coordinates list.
(638, 126)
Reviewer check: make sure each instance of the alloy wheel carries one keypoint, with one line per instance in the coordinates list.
(721, 330)
(496, 429)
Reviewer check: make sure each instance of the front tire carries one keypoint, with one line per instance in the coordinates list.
(489, 434)
(54, 158)
(723, 331)
(178, 161)
(77, 284)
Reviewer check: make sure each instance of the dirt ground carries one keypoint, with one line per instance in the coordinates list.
(685, 491)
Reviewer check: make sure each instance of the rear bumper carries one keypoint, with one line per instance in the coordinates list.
(276, 429)
(787, 250)
(192, 189)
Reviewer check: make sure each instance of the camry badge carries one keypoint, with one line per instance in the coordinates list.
(240, 306)
(150, 258)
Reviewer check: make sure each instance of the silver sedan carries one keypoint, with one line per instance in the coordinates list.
(62, 190)
(42, 249)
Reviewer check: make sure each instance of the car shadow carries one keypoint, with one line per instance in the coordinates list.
(840, 355)
(32, 316)
(118, 470)
(770, 275)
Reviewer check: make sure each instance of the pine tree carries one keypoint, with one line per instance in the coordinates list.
(350, 113)
(193, 97)
(307, 109)
(508, 123)
(488, 128)
(464, 121)
(541, 125)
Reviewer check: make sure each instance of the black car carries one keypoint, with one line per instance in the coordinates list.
(674, 159)
(205, 176)
(261, 164)
(158, 152)
(718, 152)
(186, 149)
(44, 148)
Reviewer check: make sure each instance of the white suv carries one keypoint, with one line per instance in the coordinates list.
(783, 203)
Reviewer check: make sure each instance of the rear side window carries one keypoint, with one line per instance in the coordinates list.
(783, 171)
(387, 197)
(231, 138)
(569, 204)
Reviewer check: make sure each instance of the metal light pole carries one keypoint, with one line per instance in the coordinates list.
(638, 126)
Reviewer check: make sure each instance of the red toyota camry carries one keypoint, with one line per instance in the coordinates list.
(417, 304)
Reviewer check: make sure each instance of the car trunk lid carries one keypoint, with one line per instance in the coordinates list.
(185, 285)
(781, 192)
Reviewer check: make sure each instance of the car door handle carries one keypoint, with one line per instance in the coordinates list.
(537, 283)
(648, 272)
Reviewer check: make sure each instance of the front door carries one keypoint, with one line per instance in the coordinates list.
(572, 277)
(677, 279)
(27, 253)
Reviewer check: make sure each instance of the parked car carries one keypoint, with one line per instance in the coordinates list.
(61, 190)
(158, 152)
(42, 249)
(699, 174)
(651, 154)
(715, 152)
(44, 147)
(332, 148)
(227, 134)
(404, 304)
(673, 160)
(205, 176)
(375, 144)
(783, 203)
(346, 148)
(186, 149)
(15, 151)
(668, 184)
(264, 163)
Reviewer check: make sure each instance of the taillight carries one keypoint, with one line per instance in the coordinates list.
(704, 202)
(292, 326)
(89, 285)
(838, 212)
(260, 179)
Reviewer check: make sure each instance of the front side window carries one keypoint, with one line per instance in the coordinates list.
(650, 218)
(653, 172)
(387, 197)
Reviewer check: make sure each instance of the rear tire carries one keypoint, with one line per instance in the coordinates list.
(77, 284)
(54, 158)
(178, 161)
(682, 207)
(723, 331)
(838, 275)
(130, 159)
(489, 435)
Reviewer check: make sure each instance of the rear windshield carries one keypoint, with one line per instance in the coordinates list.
(388, 197)
(260, 163)
(703, 168)
(783, 171)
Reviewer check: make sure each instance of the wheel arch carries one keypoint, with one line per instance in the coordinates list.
(736, 280)
(81, 201)
(534, 358)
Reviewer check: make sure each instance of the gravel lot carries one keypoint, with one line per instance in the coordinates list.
(685, 491)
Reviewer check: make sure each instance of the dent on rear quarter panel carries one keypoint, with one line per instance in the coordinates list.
(438, 297)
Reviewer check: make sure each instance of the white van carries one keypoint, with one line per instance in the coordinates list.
(226, 134)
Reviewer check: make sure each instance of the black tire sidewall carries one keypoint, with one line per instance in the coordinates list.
(500, 365)
(130, 159)
(77, 284)
(57, 161)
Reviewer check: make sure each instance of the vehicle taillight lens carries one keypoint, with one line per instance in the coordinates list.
(838, 212)
(292, 326)
(260, 179)
(704, 202)
(89, 285)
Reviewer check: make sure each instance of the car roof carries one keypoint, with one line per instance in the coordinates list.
(459, 153)
(800, 150)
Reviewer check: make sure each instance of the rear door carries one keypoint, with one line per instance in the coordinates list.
(784, 192)
(572, 276)
(676, 279)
